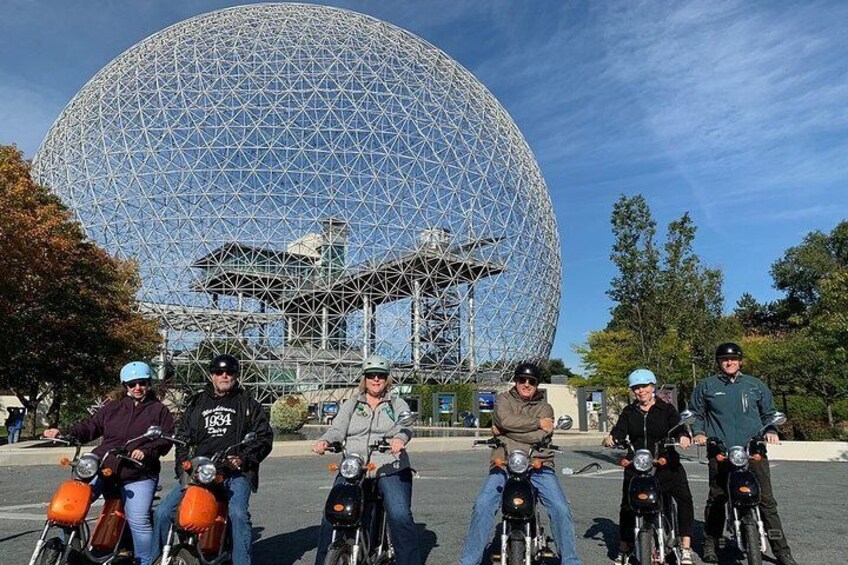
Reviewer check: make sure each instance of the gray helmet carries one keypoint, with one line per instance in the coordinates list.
(376, 364)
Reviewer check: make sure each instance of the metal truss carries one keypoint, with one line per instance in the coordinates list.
(304, 185)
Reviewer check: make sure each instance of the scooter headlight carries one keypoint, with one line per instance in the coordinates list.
(738, 456)
(87, 466)
(351, 467)
(643, 461)
(205, 472)
(518, 462)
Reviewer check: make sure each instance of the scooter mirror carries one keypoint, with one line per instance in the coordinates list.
(687, 418)
(778, 419)
(153, 432)
(249, 437)
(405, 418)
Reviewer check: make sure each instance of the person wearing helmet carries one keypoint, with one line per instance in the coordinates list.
(521, 418)
(134, 410)
(372, 414)
(646, 422)
(216, 418)
(733, 407)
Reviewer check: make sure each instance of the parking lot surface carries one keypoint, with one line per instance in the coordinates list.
(287, 510)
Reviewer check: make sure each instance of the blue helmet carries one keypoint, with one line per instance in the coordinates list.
(641, 377)
(136, 370)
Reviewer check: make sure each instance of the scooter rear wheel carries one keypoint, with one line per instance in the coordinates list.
(182, 556)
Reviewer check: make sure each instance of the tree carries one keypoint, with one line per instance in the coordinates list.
(69, 309)
(667, 306)
(554, 367)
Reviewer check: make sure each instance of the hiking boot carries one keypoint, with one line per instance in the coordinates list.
(785, 557)
(686, 556)
(710, 550)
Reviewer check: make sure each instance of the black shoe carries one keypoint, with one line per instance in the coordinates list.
(785, 557)
(710, 554)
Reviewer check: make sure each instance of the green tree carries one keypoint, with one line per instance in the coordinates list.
(667, 306)
(69, 309)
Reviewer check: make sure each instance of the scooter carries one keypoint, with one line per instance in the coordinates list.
(201, 533)
(744, 522)
(656, 531)
(355, 509)
(70, 505)
(523, 539)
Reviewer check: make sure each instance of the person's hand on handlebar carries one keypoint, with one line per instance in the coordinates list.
(137, 454)
(320, 446)
(772, 438)
(609, 441)
(700, 439)
(685, 442)
(51, 433)
(397, 445)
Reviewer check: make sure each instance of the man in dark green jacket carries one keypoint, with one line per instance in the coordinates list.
(733, 407)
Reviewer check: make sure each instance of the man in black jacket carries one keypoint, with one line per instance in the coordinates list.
(215, 419)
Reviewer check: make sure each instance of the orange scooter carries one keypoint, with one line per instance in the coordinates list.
(200, 533)
(70, 505)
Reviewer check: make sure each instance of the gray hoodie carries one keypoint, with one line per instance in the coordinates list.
(357, 426)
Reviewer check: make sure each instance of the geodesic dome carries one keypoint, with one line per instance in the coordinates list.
(305, 185)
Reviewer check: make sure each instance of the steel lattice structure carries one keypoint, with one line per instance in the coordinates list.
(304, 185)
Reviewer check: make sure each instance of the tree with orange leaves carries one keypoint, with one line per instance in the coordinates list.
(69, 312)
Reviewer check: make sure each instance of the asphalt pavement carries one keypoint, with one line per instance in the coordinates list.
(286, 511)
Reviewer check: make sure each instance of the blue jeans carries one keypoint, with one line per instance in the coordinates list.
(13, 435)
(397, 500)
(237, 491)
(138, 498)
(488, 501)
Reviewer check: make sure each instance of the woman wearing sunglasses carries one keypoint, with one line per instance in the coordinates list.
(362, 420)
(128, 416)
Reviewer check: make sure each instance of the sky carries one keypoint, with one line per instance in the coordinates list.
(735, 112)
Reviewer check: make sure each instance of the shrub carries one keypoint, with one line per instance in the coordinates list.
(288, 414)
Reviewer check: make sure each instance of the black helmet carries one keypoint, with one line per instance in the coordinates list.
(527, 370)
(227, 362)
(728, 350)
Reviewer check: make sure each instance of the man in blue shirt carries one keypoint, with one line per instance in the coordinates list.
(733, 407)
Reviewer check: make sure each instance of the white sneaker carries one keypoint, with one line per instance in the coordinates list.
(686, 557)
(623, 558)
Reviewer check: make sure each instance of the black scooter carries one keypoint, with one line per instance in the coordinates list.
(355, 509)
(656, 531)
(523, 539)
(744, 522)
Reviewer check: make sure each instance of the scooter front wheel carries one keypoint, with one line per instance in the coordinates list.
(182, 556)
(339, 555)
(646, 546)
(50, 552)
(751, 533)
(516, 551)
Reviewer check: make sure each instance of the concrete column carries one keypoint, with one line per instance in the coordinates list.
(367, 314)
(325, 327)
(416, 325)
(472, 361)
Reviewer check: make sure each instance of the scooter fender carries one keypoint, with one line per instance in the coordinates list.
(644, 494)
(344, 505)
(743, 488)
(518, 501)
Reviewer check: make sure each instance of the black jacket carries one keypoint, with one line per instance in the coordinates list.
(646, 429)
(250, 417)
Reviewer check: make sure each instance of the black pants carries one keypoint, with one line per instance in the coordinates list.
(673, 482)
(714, 513)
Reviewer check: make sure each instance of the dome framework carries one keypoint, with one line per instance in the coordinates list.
(303, 186)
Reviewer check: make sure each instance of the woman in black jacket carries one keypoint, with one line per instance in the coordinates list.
(646, 422)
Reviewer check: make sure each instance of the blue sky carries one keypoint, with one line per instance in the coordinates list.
(736, 112)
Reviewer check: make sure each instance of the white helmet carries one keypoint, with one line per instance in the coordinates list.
(376, 364)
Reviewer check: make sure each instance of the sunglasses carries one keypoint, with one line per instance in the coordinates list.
(381, 376)
(526, 381)
(134, 384)
(221, 372)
